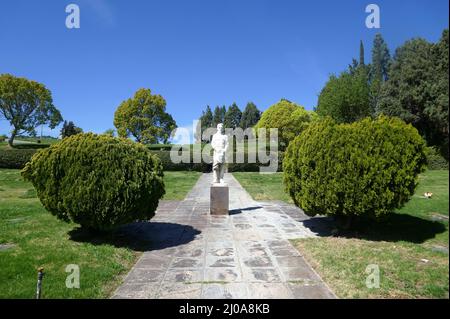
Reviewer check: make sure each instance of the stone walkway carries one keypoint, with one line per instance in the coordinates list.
(244, 255)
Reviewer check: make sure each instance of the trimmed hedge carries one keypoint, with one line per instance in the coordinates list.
(435, 159)
(168, 165)
(97, 181)
(30, 146)
(369, 167)
(15, 158)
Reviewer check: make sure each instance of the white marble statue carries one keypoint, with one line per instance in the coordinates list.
(219, 143)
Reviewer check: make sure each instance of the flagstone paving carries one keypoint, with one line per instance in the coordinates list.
(246, 254)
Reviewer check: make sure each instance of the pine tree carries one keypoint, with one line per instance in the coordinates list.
(250, 116)
(380, 59)
(379, 69)
(232, 117)
(219, 115)
(206, 121)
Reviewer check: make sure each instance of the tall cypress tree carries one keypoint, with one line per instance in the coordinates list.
(361, 53)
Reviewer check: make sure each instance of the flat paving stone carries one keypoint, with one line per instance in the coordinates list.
(223, 274)
(246, 254)
(225, 291)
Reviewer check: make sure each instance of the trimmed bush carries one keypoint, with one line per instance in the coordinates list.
(15, 158)
(30, 146)
(367, 168)
(97, 181)
(435, 159)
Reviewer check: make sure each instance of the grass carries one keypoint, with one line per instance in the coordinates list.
(263, 187)
(41, 240)
(178, 184)
(403, 247)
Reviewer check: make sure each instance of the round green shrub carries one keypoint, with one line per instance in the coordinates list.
(97, 181)
(435, 160)
(367, 168)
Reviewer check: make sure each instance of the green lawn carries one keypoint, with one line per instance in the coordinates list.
(178, 184)
(40, 240)
(405, 247)
(263, 187)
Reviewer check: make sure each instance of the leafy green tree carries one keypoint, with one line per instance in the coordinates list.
(250, 116)
(417, 89)
(69, 129)
(26, 104)
(345, 98)
(144, 117)
(232, 117)
(289, 118)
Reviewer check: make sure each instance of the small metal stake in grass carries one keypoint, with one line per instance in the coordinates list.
(39, 283)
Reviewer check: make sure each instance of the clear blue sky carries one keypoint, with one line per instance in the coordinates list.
(195, 52)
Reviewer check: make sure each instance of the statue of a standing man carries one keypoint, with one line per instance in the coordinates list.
(219, 143)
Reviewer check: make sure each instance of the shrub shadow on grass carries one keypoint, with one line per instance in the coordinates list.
(397, 227)
(139, 236)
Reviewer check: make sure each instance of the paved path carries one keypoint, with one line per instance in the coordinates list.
(244, 255)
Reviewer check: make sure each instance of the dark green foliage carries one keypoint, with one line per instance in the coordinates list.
(219, 115)
(435, 160)
(69, 129)
(97, 181)
(367, 168)
(361, 53)
(15, 158)
(381, 60)
(30, 146)
(205, 122)
(250, 116)
(232, 117)
(158, 147)
(346, 98)
(417, 89)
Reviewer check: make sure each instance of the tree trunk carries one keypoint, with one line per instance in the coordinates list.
(11, 138)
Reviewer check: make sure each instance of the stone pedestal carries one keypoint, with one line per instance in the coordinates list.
(219, 199)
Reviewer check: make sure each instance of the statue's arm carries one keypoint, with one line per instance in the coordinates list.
(214, 142)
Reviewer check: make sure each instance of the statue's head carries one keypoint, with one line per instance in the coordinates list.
(220, 127)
